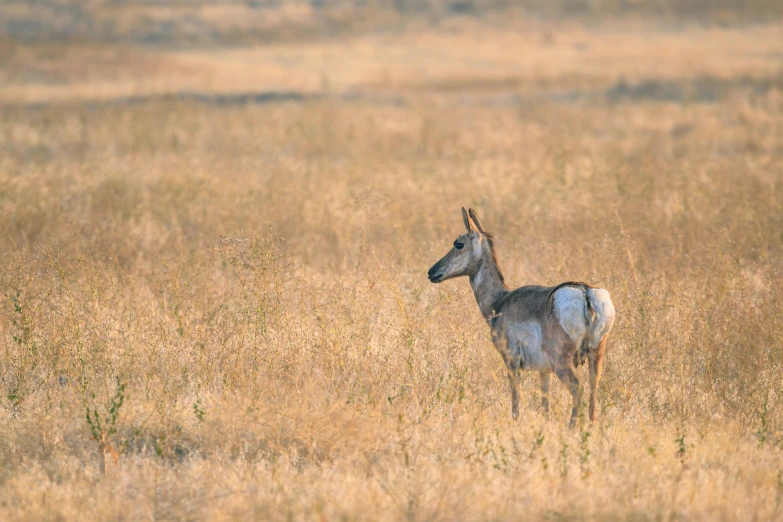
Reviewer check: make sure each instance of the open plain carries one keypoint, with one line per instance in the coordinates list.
(214, 259)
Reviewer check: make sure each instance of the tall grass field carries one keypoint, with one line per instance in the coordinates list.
(214, 301)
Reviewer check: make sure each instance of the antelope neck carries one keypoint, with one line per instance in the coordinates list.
(488, 287)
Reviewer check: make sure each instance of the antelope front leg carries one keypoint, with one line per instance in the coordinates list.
(546, 381)
(513, 382)
(512, 363)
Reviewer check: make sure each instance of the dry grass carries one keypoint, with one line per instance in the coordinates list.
(320, 376)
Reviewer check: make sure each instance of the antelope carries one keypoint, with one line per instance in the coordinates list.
(535, 328)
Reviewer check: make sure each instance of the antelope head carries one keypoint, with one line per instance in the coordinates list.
(467, 254)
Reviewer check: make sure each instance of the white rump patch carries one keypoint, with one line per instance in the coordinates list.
(604, 311)
(570, 312)
(526, 341)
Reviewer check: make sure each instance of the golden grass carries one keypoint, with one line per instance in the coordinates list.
(321, 376)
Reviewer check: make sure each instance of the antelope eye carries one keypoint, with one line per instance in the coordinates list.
(458, 245)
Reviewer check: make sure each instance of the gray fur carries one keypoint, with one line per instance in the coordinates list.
(536, 328)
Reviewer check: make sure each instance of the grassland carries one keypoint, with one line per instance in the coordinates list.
(215, 306)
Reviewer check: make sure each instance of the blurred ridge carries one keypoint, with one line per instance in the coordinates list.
(706, 89)
(231, 22)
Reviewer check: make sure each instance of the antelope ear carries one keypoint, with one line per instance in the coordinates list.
(466, 219)
(475, 219)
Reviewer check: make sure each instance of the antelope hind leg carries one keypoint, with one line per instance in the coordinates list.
(568, 377)
(596, 362)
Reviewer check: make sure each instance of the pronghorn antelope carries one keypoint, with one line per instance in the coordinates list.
(535, 328)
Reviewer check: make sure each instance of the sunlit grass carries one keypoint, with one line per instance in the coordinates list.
(223, 312)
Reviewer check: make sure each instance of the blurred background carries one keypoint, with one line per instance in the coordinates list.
(216, 220)
(565, 49)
